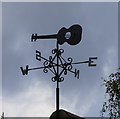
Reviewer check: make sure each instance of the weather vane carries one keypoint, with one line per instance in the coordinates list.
(57, 64)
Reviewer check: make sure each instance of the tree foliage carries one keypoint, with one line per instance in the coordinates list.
(112, 103)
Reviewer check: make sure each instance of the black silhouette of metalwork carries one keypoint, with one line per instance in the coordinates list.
(65, 65)
(72, 36)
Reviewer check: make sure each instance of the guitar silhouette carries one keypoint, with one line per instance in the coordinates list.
(71, 35)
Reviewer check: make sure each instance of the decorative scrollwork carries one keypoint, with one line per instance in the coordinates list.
(61, 51)
(61, 79)
(45, 70)
(50, 62)
(53, 79)
(50, 58)
(70, 60)
(65, 72)
(69, 67)
(50, 65)
(46, 63)
(54, 51)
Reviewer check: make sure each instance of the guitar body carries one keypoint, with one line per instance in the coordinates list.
(71, 35)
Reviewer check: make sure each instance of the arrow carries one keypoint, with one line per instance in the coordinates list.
(90, 62)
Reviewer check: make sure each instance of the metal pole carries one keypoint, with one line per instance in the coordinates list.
(57, 89)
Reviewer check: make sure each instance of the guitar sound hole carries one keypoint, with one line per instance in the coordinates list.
(68, 35)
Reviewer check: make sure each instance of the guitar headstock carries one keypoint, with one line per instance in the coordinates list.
(34, 37)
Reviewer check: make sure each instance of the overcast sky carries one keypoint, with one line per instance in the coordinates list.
(34, 94)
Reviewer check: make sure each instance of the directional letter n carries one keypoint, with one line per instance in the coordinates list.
(77, 73)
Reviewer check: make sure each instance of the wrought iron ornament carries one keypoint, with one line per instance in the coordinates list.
(56, 62)
(65, 65)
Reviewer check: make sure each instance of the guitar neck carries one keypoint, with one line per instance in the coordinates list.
(44, 36)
